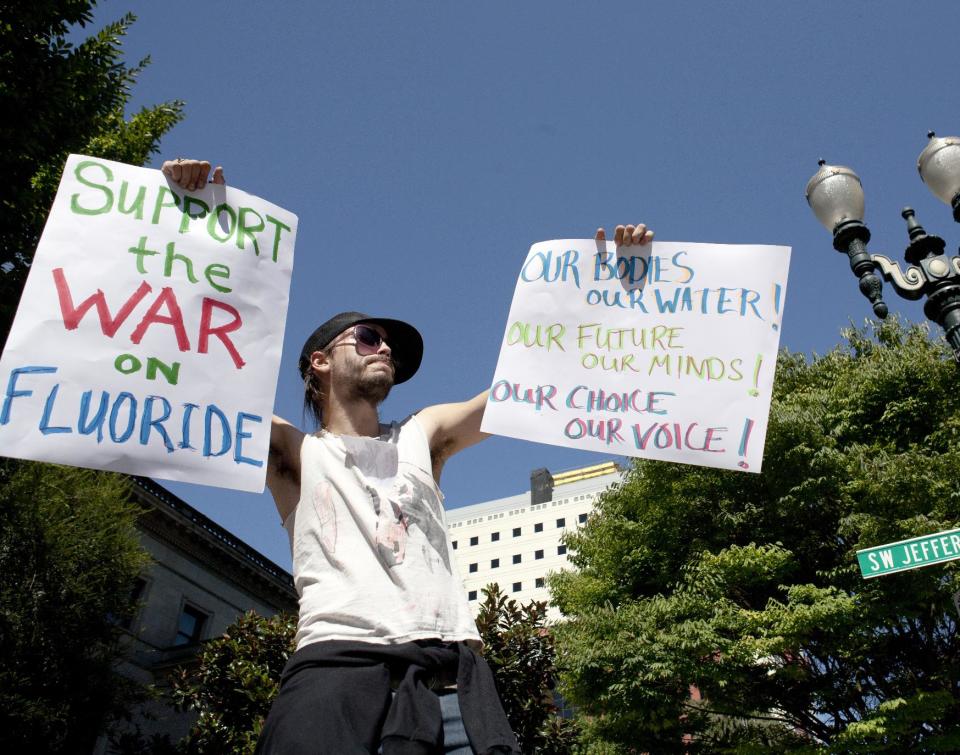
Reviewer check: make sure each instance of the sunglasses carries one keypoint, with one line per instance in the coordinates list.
(367, 339)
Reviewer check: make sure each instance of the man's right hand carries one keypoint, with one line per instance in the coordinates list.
(191, 174)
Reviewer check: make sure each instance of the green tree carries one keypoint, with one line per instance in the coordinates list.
(68, 557)
(59, 98)
(238, 677)
(235, 683)
(68, 550)
(746, 586)
(520, 651)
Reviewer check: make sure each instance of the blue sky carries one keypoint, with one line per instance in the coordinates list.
(426, 145)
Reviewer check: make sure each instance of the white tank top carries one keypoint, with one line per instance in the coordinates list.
(372, 559)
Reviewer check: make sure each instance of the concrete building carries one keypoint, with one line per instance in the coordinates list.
(202, 578)
(516, 541)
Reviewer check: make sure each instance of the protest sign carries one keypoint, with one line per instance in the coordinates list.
(665, 351)
(149, 333)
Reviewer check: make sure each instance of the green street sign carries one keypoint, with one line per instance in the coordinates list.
(909, 554)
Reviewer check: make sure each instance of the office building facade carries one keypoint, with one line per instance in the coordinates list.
(518, 540)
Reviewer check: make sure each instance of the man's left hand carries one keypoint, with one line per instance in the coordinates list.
(628, 235)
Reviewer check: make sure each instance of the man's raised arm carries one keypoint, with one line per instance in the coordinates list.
(283, 462)
(283, 465)
(453, 427)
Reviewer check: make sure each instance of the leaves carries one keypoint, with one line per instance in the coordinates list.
(59, 98)
(746, 588)
(519, 649)
(69, 553)
(68, 548)
(232, 688)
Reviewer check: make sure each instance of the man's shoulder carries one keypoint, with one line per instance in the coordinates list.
(282, 431)
(399, 425)
(285, 442)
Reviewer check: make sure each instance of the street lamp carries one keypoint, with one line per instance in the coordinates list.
(836, 197)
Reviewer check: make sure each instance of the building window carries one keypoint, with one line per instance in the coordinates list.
(495, 563)
(516, 558)
(190, 626)
(540, 582)
(494, 536)
(517, 586)
(138, 589)
(561, 549)
(561, 522)
(582, 518)
(538, 554)
(474, 540)
(538, 527)
(454, 544)
(516, 532)
(136, 596)
(472, 595)
(473, 568)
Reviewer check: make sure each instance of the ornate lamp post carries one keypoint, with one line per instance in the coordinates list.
(836, 197)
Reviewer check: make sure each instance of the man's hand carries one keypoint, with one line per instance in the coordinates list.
(628, 235)
(191, 174)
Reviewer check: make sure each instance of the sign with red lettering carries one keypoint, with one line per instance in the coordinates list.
(665, 351)
(149, 333)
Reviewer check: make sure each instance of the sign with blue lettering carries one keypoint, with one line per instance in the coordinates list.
(665, 351)
(149, 333)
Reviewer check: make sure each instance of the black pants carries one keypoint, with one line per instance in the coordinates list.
(336, 698)
(311, 716)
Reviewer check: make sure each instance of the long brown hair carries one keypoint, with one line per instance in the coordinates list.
(313, 396)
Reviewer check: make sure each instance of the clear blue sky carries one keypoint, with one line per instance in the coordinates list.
(426, 145)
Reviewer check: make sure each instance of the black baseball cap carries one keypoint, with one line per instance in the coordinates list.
(404, 340)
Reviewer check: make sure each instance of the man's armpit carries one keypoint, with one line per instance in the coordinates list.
(284, 455)
(440, 451)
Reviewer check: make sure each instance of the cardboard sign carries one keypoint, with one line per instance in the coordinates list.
(665, 351)
(149, 333)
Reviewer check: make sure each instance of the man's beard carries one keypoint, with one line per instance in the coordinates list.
(372, 387)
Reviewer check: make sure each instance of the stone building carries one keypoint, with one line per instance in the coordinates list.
(201, 579)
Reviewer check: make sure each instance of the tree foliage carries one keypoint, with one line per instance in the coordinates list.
(68, 549)
(68, 556)
(58, 97)
(238, 677)
(520, 651)
(747, 588)
(235, 683)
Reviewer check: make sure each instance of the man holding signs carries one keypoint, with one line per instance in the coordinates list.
(385, 637)
(622, 348)
(381, 603)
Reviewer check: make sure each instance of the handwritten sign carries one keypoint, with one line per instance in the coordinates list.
(149, 333)
(909, 554)
(665, 351)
